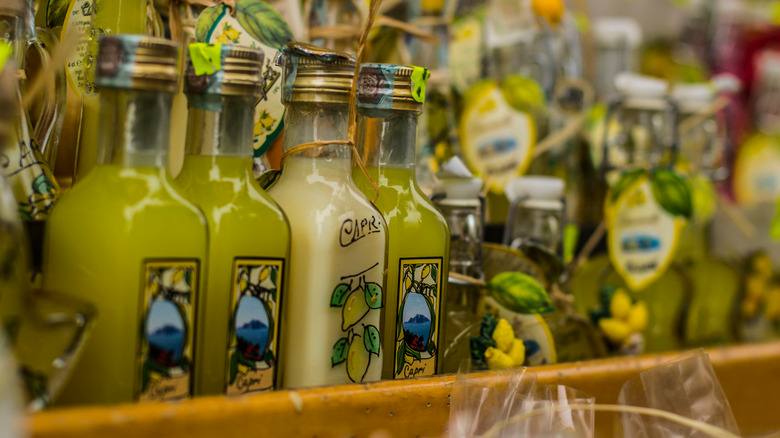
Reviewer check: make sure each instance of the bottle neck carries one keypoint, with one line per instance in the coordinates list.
(311, 122)
(12, 31)
(388, 138)
(220, 125)
(134, 128)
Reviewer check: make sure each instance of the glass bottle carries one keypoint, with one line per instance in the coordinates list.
(715, 282)
(249, 238)
(639, 274)
(94, 20)
(332, 329)
(23, 164)
(536, 212)
(464, 210)
(127, 241)
(418, 246)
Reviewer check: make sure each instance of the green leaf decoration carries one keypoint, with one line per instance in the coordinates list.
(399, 360)
(274, 274)
(625, 181)
(374, 295)
(56, 11)
(234, 366)
(519, 293)
(206, 21)
(672, 192)
(414, 353)
(431, 308)
(431, 348)
(268, 357)
(339, 296)
(435, 275)
(246, 362)
(339, 354)
(606, 295)
(478, 347)
(488, 326)
(371, 339)
(264, 23)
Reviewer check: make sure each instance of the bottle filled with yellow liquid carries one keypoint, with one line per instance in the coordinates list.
(249, 238)
(389, 103)
(332, 315)
(125, 240)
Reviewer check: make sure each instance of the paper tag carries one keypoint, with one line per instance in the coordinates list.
(206, 58)
(757, 171)
(465, 51)
(642, 235)
(79, 19)
(497, 140)
(420, 77)
(259, 26)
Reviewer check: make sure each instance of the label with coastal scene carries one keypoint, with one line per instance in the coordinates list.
(417, 327)
(170, 288)
(254, 325)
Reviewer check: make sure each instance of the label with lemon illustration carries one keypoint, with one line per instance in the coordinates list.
(258, 25)
(621, 319)
(165, 361)
(645, 213)
(513, 331)
(254, 325)
(78, 19)
(496, 137)
(757, 170)
(359, 297)
(417, 329)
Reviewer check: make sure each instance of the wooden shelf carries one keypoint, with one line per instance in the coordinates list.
(750, 376)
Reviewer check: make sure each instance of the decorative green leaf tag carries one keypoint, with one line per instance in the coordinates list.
(672, 192)
(520, 293)
(624, 182)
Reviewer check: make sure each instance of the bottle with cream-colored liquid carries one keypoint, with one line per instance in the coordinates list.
(332, 329)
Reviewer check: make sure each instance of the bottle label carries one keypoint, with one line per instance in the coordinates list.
(465, 49)
(757, 171)
(258, 25)
(78, 19)
(35, 188)
(417, 327)
(645, 213)
(359, 297)
(170, 288)
(497, 139)
(254, 325)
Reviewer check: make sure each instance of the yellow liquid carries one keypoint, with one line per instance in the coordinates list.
(243, 223)
(97, 241)
(110, 17)
(417, 230)
(666, 299)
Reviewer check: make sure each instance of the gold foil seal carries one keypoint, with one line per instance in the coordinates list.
(138, 62)
(241, 74)
(315, 75)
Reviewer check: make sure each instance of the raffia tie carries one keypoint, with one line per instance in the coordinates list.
(352, 130)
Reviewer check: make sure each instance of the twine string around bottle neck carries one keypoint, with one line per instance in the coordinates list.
(352, 114)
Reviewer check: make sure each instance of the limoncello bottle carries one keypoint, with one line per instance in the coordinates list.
(332, 319)
(125, 240)
(390, 100)
(249, 239)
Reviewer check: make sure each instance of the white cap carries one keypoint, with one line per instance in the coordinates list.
(636, 85)
(726, 83)
(459, 188)
(536, 187)
(692, 97)
(613, 31)
(768, 63)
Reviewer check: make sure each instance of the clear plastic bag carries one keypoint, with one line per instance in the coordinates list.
(686, 386)
(522, 408)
